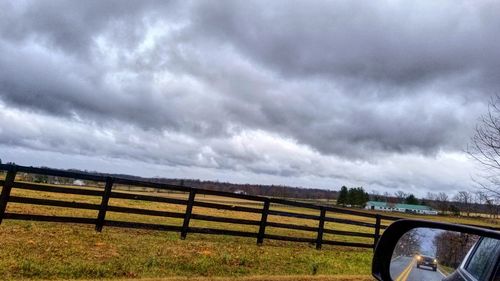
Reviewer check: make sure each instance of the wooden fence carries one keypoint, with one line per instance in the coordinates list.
(107, 191)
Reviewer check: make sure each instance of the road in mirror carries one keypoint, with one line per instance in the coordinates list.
(429, 254)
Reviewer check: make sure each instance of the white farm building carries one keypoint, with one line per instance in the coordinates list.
(403, 208)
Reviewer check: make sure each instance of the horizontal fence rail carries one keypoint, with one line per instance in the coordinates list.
(269, 207)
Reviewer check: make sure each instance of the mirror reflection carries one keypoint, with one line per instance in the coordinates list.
(435, 255)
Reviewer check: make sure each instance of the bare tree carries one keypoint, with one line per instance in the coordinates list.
(430, 200)
(485, 148)
(465, 198)
(479, 201)
(442, 202)
(376, 196)
(400, 195)
(408, 245)
(431, 196)
(490, 203)
(479, 197)
(451, 247)
(388, 197)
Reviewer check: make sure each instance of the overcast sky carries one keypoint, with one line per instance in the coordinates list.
(379, 94)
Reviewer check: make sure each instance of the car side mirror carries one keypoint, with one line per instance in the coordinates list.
(424, 250)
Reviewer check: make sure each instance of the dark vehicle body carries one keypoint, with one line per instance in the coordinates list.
(480, 264)
(427, 261)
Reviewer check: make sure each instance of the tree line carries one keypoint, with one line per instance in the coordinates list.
(280, 191)
(451, 247)
(356, 196)
(465, 203)
(462, 203)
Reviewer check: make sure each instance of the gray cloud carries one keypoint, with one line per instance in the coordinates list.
(74, 27)
(396, 44)
(191, 83)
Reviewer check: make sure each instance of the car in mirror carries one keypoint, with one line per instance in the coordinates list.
(415, 250)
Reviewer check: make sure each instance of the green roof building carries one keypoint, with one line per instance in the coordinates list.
(402, 208)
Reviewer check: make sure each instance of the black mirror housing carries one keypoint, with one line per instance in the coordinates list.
(385, 246)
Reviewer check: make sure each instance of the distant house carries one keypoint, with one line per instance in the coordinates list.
(79, 182)
(239, 191)
(403, 208)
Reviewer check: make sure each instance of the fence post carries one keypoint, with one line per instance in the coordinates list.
(263, 222)
(7, 187)
(321, 227)
(104, 204)
(187, 216)
(377, 231)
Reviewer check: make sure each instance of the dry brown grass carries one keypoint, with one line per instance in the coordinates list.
(39, 250)
(259, 278)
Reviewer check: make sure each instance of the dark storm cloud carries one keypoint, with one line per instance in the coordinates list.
(395, 43)
(355, 79)
(73, 27)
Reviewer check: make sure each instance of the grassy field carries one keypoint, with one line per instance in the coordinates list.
(37, 250)
(258, 278)
(261, 278)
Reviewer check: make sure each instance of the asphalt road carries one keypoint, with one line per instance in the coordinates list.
(405, 269)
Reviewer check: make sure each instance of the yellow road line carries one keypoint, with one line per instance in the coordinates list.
(406, 272)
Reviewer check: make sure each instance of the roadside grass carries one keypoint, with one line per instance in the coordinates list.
(261, 278)
(37, 250)
(55, 251)
(445, 269)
